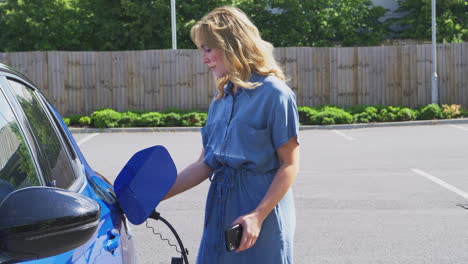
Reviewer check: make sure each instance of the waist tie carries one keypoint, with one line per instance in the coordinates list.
(222, 181)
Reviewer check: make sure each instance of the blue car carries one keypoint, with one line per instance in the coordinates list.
(53, 207)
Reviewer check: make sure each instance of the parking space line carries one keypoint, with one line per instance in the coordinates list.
(343, 135)
(87, 138)
(441, 183)
(460, 127)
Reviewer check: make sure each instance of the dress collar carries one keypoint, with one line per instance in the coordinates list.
(254, 77)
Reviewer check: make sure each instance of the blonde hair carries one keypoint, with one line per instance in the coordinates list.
(244, 51)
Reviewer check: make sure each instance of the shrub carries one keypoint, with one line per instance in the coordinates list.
(406, 114)
(431, 111)
(171, 119)
(138, 112)
(396, 113)
(194, 119)
(75, 119)
(151, 119)
(451, 111)
(367, 114)
(129, 119)
(85, 121)
(332, 115)
(66, 121)
(175, 110)
(105, 118)
(362, 118)
(320, 108)
(357, 109)
(321, 115)
(328, 121)
(306, 114)
(386, 115)
(302, 110)
(464, 112)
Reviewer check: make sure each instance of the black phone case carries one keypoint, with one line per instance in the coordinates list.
(233, 237)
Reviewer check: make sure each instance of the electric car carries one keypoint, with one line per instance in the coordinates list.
(53, 207)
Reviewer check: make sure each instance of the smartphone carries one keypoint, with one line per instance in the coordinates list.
(233, 237)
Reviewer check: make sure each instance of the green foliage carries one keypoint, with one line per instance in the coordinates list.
(357, 109)
(140, 24)
(406, 114)
(321, 115)
(362, 118)
(175, 110)
(451, 19)
(84, 121)
(388, 115)
(171, 120)
(26, 170)
(84, 25)
(106, 25)
(129, 119)
(66, 121)
(332, 115)
(306, 114)
(188, 12)
(431, 111)
(318, 22)
(194, 119)
(364, 113)
(74, 119)
(105, 118)
(396, 113)
(108, 118)
(38, 25)
(152, 119)
(464, 112)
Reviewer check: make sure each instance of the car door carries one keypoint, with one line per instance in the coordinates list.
(54, 161)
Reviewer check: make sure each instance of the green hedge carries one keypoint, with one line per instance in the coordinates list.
(320, 115)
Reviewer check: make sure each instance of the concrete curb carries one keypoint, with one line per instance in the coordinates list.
(77, 130)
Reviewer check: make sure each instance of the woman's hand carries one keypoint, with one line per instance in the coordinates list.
(288, 155)
(191, 176)
(252, 224)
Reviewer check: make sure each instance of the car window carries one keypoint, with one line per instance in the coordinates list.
(54, 161)
(17, 169)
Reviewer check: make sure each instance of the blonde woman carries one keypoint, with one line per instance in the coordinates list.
(250, 145)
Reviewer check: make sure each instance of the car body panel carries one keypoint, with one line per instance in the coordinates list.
(112, 242)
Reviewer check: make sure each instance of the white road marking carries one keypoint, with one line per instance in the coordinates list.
(343, 135)
(87, 138)
(441, 183)
(460, 127)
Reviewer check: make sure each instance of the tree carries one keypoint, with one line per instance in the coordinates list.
(145, 24)
(452, 20)
(37, 25)
(84, 25)
(124, 24)
(301, 22)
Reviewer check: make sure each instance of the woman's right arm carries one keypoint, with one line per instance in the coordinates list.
(190, 177)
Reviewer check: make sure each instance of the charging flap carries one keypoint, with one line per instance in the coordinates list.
(144, 181)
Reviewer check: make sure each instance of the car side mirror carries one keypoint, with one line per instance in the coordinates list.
(39, 222)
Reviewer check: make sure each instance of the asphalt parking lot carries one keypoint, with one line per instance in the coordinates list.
(367, 195)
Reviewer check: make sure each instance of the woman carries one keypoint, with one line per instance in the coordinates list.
(250, 146)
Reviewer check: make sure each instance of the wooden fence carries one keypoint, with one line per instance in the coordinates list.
(81, 82)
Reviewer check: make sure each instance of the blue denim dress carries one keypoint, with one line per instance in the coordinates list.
(242, 134)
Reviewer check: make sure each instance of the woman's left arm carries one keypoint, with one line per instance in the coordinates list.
(288, 155)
